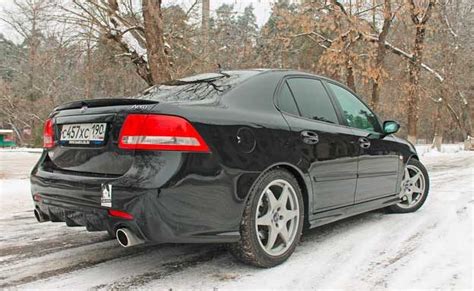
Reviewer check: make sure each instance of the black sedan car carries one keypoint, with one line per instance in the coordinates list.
(247, 158)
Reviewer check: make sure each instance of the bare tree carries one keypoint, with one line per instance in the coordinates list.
(155, 43)
(419, 17)
(381, 52)
(140, 38)
(28, 20)
(451, 92)
(206, 8)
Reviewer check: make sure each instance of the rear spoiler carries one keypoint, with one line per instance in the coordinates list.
(103, 102)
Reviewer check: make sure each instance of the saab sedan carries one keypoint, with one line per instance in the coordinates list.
(248, 158)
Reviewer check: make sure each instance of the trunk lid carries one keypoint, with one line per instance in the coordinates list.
(94, 157)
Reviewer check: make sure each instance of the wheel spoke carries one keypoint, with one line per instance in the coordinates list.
(416, 189)
(272, 236)
(289, 214)
(265, 219)
(407, 174)
(409, 198)
(272, 201)
(284, 196)
(284, 234)
(415, 178)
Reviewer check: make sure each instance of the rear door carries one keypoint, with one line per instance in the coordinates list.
(327, 149)
(379, 160)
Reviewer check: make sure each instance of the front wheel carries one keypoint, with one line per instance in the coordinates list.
(414, 188)
(272, 222)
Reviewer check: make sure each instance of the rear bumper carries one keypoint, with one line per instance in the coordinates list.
(189, 207)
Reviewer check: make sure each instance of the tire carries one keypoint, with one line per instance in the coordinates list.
(251, 249)
(404, 206)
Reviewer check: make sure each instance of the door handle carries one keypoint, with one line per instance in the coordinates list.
(309, 137)
(364, 143)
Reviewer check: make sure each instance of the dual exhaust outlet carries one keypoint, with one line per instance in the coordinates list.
(124, 236)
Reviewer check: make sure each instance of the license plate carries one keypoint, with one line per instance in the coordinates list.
(85, 133)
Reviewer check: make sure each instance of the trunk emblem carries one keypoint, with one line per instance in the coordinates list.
(83, 108)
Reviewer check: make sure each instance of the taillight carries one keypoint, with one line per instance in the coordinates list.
(160, 132)
(120, 214)
(48, 134)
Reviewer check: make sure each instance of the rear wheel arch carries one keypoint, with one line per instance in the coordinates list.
(305, 186)
(254, 246)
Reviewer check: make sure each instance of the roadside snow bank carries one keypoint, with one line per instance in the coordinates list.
(22, 150)
(425, 149)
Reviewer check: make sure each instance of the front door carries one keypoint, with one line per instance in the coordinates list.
(379, 161)
(327, 149)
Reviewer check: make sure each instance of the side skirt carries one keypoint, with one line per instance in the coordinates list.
(325, 217)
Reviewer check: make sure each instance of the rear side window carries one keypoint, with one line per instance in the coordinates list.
(286, 102)
(312, 99)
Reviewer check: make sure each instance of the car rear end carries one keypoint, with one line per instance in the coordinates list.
(85, 176)
(135, 165)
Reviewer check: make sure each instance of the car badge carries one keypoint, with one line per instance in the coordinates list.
(83, 108)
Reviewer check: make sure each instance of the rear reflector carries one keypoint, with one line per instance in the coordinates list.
(37, 197)
(48, 134)
(160, 132)
(120, 214)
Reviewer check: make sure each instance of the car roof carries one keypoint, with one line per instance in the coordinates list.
(278, 71)
(287, 72)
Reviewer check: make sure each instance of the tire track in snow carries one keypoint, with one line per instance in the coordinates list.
(68, 260)
(27, 240)
(59, 271)
(164, 270)
(388, 264)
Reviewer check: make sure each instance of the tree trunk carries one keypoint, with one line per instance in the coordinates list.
(350, 79)
(155, 43)
(89, 71)
(438, 136)
(205, 24)
(381, 51)
(466, 117)
(414, 79)
(33, 44)
(415, 66)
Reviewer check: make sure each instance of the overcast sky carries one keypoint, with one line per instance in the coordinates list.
(262, 10)
(262, 7)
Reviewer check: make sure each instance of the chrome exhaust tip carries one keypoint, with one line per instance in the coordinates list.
(40, 217)
(126, 238)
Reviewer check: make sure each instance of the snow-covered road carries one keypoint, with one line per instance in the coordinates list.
(431, 248)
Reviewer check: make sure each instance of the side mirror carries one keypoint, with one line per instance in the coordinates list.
(390, 127)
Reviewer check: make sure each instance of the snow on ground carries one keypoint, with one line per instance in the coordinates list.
(431, 248)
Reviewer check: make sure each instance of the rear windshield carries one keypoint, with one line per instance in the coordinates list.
(202, 87)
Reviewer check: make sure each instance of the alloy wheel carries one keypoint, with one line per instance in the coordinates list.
(277, 217)
(412, 187)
